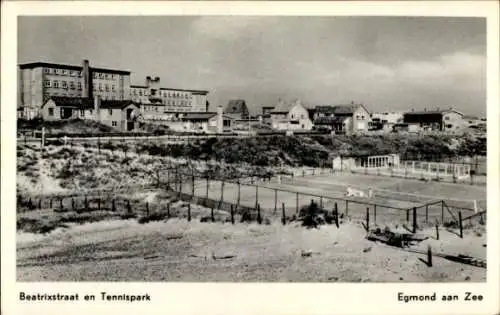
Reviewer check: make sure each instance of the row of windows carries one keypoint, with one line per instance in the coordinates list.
(82, 112)
(72, 73)
(104, 97)
(161, 94)
(62, 84)
(76, 73)
(104, 87)
(169, 102)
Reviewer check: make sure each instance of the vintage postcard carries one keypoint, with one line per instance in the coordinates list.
(250, 157)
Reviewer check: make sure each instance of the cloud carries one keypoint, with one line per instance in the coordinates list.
(449, 67)
(229, 27)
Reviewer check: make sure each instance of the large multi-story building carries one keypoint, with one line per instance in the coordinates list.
(155, 99)
(38, 81)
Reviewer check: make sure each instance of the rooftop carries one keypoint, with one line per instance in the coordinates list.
(32, 65)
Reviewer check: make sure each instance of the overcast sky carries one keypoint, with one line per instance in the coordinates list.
(387, 63)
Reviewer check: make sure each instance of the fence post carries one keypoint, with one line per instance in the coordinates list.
(208, 184)
(426, 214)
(414, 219)
(407, 215)
(375, 214)
(189, 212)
(367, 219)
(147, 209)
(50, 203)
(460, 224)
(429, 256)
(221, 193)
(259, 218)
(61, 203)
(113, 206)
(336, 214)
(86, 203)
(232, 215)
(40, 203)
(275, 200)
(297, 202)
(212, 214)
(346, 207)
(168, 209)
(442, 211)
(437, 230)
(129, 208)
(99, 203)
(72, 203)
(283, 217)
(256, 195)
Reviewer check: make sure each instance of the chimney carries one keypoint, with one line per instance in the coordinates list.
(220, 120)
(97, 107)
(87, 82)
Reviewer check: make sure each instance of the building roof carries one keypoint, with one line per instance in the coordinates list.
(311, 112)
(434, 112)
(201, 92)
(117, 104)
(32, 65)
(86, 103)
(347, 109)
(330, 120)
(236, 107)
(285, 107)
(196, 92)
(200, 116)
(75, 102)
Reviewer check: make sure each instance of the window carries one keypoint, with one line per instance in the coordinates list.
(94, 86)
(46, 70)
(95, 75)
(79, 85)
(114, 123)
(82, 113)
(140, 93)
(56, 84)
(106, 86)
(72, 85)
(64, 84)
(46, 83)
(446, 118)
(100, 86)
(51, 111)
(65, 72)
(110, 112)
(80, 74)
(113, 87)
(101, 75)
(58, 71)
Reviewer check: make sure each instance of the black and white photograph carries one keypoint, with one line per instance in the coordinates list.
(251, 149)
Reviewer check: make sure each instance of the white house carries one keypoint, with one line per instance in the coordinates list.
(290, 116)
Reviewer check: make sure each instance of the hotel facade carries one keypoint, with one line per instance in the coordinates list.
(39, 81)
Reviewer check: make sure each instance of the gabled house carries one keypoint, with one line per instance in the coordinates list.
(202, 122)
(351, 118)
(290, 116)
(437, 120)
(237, 109)
(119, 114)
